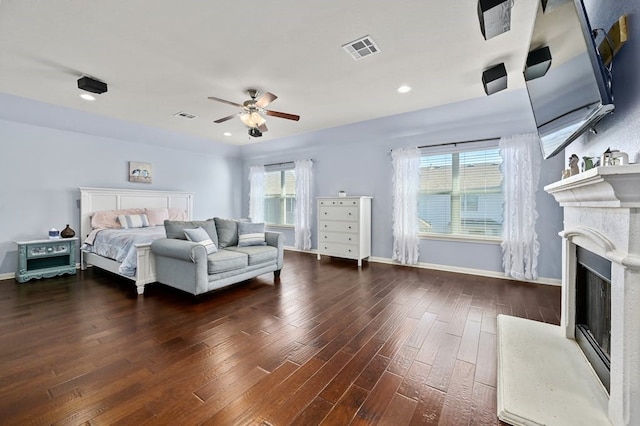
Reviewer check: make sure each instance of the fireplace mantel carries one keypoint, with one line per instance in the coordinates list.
(601, 214)
(613, 186)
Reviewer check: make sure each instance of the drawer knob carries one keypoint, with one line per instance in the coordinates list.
(325, 212)
(325, 236)
(349, 238)
(325, 226)
(349, 213)
(349, 250)
(349, 226)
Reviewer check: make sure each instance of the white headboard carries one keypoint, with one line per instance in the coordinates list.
(96, 199)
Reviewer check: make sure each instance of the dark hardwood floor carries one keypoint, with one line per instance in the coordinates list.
(328, 344)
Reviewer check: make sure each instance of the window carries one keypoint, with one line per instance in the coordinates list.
(280, 197)
(461, 193)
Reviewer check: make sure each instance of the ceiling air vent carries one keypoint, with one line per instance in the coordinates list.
(361, 48)
(185, 115)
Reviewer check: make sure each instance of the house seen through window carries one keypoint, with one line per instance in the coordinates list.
(280, 197)
(461, 193)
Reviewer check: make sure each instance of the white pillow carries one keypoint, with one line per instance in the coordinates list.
(200, 236)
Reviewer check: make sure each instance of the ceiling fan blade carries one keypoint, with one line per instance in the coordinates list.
(265, 100)
(213, 98)
(282, 115)
(263, 127)
(227, 118)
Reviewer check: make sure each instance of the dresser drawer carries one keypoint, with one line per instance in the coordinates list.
(338, 213)
(338, 249)
(338, 202)
(337, 237)
(332, 226)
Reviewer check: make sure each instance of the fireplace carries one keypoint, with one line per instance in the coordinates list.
(593, 311)
(602, 219)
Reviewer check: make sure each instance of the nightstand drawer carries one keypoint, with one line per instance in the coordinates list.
(42, 250)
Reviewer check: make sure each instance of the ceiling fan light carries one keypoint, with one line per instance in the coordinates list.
(252, 119)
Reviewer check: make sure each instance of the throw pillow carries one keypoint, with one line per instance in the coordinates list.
(200, 236)
(128, 221)
(227, 232)
(250, 234)
(157, 216)
(108, 219)
(175, 228)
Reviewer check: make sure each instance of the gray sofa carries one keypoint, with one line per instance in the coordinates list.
(185, 265)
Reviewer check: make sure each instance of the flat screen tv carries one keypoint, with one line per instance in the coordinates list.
(575, 92)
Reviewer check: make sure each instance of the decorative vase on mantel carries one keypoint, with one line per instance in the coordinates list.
(67, 232)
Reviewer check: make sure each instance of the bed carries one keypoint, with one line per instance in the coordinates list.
(140, 270)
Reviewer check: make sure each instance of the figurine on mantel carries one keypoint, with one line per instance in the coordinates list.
(574, 169)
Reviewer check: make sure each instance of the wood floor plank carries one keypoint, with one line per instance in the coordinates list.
(456, 409)
(329, 342)
(399, 411)
(377, 401)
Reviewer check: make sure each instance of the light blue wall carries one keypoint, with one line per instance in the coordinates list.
(620, 130)
(48, 152)
(356, 158)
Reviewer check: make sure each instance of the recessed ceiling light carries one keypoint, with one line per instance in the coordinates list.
(404, 89)
(227, 134)
(87, 97)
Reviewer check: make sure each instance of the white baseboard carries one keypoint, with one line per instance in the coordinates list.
(9, 276)
(468, 271)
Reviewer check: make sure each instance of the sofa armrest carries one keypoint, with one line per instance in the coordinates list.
(276, 239)
(179, 249)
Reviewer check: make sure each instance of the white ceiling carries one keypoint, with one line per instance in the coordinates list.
(160, 57)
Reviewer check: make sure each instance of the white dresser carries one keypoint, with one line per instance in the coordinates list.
(344, 227)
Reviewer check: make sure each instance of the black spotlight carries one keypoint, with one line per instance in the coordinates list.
(254, 132)
(494, 16)
(494, 79)
(91, 85)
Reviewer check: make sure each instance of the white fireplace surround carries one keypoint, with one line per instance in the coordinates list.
(602, 215)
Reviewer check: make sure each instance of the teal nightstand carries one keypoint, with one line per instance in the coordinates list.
(46, 258)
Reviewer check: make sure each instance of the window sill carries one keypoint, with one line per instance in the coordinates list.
(482, 239)
(269, 225)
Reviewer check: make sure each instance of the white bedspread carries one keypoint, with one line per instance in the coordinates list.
(119, 244)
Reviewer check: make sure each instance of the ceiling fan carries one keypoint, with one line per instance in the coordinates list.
(251, 110)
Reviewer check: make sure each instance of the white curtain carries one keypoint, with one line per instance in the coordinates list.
(406, 184)
(521, 161)
(304, 178)
(256, 194)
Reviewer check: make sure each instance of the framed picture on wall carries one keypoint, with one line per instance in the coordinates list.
(139, 172)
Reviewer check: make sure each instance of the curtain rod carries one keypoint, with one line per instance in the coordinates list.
(280, 164)
(459, 143)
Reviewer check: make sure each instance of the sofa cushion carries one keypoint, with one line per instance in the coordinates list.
(226, 260)
(175, 228)
(257, 254)
(227, 232)
(200, 236)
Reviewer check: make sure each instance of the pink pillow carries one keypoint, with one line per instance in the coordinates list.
(157, 216)
(177, 214)
(108, 219)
